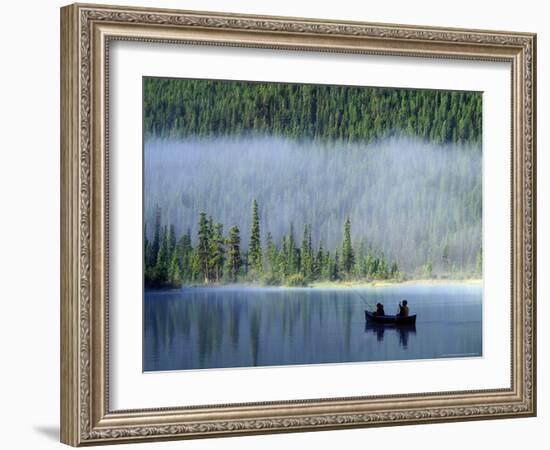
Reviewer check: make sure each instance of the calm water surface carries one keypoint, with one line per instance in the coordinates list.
(198, 328)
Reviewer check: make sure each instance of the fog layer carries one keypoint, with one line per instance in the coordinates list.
(405, 197)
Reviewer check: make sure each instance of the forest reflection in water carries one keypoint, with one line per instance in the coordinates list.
(198, 328)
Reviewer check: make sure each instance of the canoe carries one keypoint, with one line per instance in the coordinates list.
(394, 320)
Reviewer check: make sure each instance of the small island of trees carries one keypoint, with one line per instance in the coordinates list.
(217, 258)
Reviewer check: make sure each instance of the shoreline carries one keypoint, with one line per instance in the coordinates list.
(336, 284)
(390, 283)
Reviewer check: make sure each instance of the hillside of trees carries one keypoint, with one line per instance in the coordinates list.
(403, 166)
(220, 258)
(179, 108)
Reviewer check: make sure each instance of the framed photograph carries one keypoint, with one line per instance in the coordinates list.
(275, 224)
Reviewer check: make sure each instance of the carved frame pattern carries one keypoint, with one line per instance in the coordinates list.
(85, 416)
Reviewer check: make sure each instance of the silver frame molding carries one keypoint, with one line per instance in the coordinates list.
(86, 32)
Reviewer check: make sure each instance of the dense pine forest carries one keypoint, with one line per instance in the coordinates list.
(345, 183)
(185, 107)
(219, 258)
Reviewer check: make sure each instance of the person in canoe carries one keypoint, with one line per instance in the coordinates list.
(379, 310)
(403, 309)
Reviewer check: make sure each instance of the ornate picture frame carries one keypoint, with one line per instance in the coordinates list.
(87, 31)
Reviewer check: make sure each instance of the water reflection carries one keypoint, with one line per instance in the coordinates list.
(228, 327)
(403, 331)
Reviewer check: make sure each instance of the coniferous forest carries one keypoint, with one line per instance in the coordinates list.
(291, 184)
(218, 258)
(181, 108)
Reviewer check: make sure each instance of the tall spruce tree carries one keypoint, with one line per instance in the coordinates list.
(335, 267)
(383, 269)
(394, 270)
(161, 272)
(233, 261)
(319, 262)
(203, 247)
(174, 272)
(195, 266)
(347, 250)
(292, 252)
(371, 264)
(283, 258)
(210, 232)
(217, 252)
(271, 256)
(255, 247)
(306, 255)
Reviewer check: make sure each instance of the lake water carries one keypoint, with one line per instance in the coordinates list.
(198, 328)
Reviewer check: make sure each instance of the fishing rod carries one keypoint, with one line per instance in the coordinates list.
(366, 301)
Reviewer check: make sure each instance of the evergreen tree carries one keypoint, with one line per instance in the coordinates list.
(245, 266)
(255, 247)
(327, 269)
(174, 272)
(195, 266)
(203, 247)
(319, 262)
(283, 259)
(172, 238)
(293, 264)
(335, 267)
(382, 269)
(394, 270)
(360, 269)
(217, 252)
(271, 257)
(370, 264)
(161, 271)
(347, 250)
(185, 249)
(306, 254)
(233, 262)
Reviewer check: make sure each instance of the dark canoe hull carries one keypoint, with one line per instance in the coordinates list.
(393, 320)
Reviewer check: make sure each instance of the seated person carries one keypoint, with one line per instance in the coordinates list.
(379, 310)
(403, 309)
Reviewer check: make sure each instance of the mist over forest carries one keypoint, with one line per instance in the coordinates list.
(411, 199)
